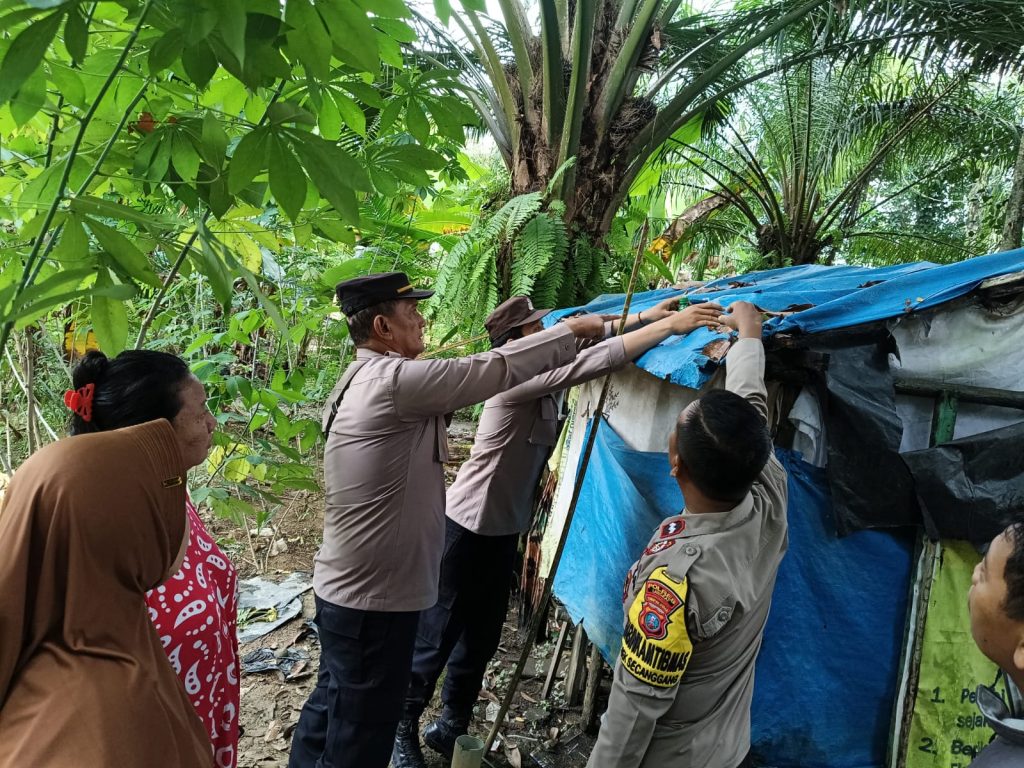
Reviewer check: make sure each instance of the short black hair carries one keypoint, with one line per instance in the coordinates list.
(724, 444)
(360, 325)
(137, 386)
(1013, 574)
(510, 335)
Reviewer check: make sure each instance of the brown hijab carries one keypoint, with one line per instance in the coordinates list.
(88, 525)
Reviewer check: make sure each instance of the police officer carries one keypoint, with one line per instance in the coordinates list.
(489, 506)
(383, 525)
(697, 599)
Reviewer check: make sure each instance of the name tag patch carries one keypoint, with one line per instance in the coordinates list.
(656, 646)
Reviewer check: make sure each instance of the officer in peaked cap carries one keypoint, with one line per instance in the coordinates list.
(357, 294)
(379, 563)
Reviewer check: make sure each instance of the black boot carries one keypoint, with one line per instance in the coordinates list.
(440, 735)
(406, 752)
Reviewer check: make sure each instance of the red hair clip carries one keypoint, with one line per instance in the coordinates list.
(80, 401)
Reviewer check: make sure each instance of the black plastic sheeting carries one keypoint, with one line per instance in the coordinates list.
(871, 487)
(971, 488)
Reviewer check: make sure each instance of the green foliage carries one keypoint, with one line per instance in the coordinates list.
(824, 164)
(204, 111)
(180, 174)
(524, 248)
(610, 82)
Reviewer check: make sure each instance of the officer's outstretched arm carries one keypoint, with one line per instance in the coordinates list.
(655, 652)
(425, 388)
(744, 365)
(744, 375)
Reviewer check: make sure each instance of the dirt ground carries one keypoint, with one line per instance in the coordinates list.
(537, 733)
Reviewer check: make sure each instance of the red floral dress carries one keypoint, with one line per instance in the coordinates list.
(195, 613)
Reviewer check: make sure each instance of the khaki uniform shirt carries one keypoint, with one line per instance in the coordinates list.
(384, 522)
(493, 492)
(696, 604)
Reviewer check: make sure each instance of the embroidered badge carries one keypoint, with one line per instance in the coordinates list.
(656, 645)
(672, 527)
(659, 603)
(658, 546)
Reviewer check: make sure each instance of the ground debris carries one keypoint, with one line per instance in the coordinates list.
(271, 703)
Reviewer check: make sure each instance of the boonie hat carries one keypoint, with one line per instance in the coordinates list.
(511, 314)
(359, 293)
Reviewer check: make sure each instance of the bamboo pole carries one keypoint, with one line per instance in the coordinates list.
(576, 490)
(469, 752)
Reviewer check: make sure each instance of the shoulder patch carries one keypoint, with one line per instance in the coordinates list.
(659, 546)
(672, 527)
(656, 645)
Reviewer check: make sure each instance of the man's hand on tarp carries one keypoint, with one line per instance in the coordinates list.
(744, 317)
(704, 315)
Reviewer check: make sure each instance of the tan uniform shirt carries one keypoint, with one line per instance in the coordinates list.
(493, 492)
(696, 603)
(384, 522)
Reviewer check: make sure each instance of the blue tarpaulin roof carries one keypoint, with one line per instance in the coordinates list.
(841, 297)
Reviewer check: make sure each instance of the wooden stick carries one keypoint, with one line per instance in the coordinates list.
(30, 395)
(21, 384)
(574, 677)
(595, 666)
(576, 490)
(456, 345)
(556, 657)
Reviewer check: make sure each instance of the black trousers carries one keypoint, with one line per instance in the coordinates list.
(464, 629)
(351, 717)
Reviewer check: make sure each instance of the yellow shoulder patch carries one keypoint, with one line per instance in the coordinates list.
(656, 646)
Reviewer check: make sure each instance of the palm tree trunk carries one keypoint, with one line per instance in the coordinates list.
(1013, 222)
(693, 214)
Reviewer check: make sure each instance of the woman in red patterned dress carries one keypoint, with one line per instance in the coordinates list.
(194, 611)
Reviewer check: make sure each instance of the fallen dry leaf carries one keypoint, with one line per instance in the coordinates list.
(273, 731)
(514, 758)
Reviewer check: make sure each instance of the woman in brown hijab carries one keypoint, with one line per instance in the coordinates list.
(88, 525)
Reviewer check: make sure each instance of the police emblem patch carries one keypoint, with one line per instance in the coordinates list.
(656, 644)
(672, 527)
(658, 546)
(659, 603)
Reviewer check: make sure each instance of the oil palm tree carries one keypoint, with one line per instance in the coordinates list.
(604, 84)
(813, 162)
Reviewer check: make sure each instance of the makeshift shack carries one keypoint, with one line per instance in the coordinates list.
(897, 399)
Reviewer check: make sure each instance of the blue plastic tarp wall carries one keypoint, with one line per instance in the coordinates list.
(827, 673)
(841, 297)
